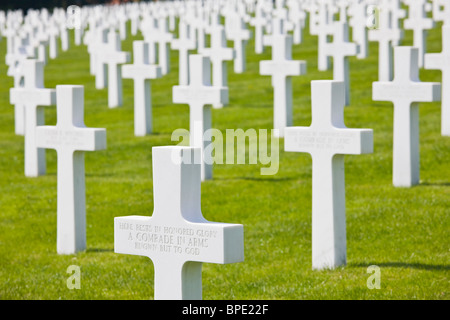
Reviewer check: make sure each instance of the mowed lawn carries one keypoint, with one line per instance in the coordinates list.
(404, 231)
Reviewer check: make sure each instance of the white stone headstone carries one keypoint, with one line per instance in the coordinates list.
(340, 49)
(328, 140)
(259, 22)
(238, 32)
(164, 38)
(183, 44)
(177, 238)
(149, 30)
(200, 95)
(281, 68)
(441, 11)
(70, 138)
(358, 22)
(321, 26)
(219, 54)
(406, 91)
(113, 57)
(441, 61)
(33, 96)
(418, 22)
(141, 72)
(385, 36)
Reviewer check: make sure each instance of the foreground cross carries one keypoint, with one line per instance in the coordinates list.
(200, 95)
(70, 138)
(441, 61)
(406, 91)
(328, 140)
(141, 72)
(177, 238)
(33, 96)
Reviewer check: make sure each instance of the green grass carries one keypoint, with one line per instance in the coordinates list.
(405, 231)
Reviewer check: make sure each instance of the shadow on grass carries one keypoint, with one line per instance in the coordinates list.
(98, 250)
(434, 184)
(414, 265)
(257, 179)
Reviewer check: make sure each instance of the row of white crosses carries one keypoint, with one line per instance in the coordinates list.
(69, 137)
(326, 138)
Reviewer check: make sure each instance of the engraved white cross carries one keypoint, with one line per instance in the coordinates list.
(141, 72)
(441, 61)
(406, 91)
(177, 238)
(328, 140)
(199, 95)
(70, 138)
(33, 96)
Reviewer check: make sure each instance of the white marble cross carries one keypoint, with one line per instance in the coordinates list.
(53, 34)
(177, 238)
(237, 32)
(441, 11)
(33, 96)
(96, 48)
(406, 91)
(199, 95)
(141, 72)
(358, 22)
(219, 54)
(321, 26)
(259, 22)
(163, 38)
(281, 68)
(149, 29)
(328, 140)
(183, 44)
(297, 17)
(386, 36)
(70, 138)
(340, 49)
(418, 22)
(441, 61)
(114, 58)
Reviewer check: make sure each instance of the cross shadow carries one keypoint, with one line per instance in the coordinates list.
(434, 184)
(99, 250)
(413, 265)
(257, 179)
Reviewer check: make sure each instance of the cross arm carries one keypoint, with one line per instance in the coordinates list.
(78, 139)
(38, 96)
(412, 92)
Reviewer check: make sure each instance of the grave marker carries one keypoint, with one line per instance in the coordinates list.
(441, 61)
(114, 58)
(199, 95)
(340, 49)
(177, 238)
(328, 140)
(33, 96)
(141, 72)
(281, 68)
(219, 54)
(406, 91)
(70, 138)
